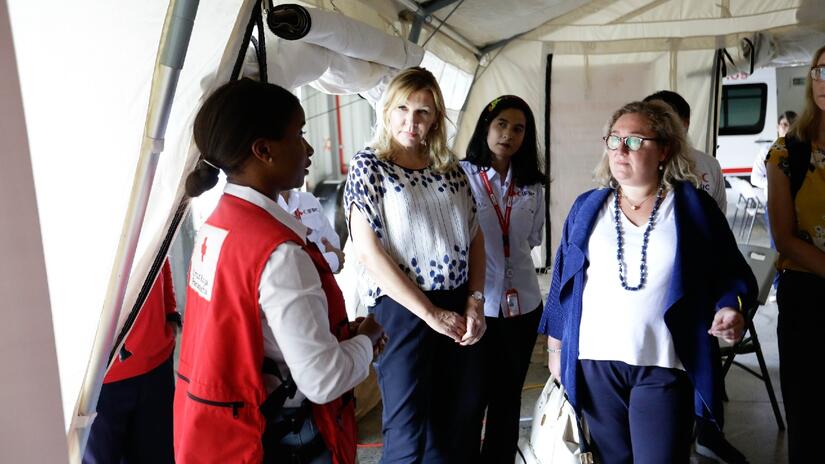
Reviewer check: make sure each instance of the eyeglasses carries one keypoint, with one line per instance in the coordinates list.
(632, 142)
(818, 73)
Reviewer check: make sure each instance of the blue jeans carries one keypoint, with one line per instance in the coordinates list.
(134, 420)
(430, 387)
(637, 414)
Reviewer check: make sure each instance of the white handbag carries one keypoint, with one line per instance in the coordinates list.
(557, 436)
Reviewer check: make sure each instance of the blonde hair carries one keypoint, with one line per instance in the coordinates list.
(403, 85)
(807, 124)
(670, 132)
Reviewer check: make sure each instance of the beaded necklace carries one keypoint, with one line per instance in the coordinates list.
(620, 241)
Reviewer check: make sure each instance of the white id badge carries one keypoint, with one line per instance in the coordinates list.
(512, 303)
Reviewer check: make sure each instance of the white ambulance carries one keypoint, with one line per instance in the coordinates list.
(750, 106)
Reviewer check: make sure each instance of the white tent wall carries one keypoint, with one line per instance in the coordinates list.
(586, 90)
(518, 69)
(652, 19)
(383, 15)
(31, 425)
(358, 120)
(355, 117)
(85, 91)
(321, 134)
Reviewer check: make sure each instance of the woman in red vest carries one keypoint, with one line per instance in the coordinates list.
(267, 357)
(134, 411)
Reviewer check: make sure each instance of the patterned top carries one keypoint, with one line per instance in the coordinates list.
(810, 209)
(425, 221)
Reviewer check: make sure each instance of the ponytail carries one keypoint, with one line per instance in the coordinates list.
(201, 179)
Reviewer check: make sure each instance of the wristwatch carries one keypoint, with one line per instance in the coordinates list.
(478, 296)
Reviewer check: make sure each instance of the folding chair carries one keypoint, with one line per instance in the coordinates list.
(753, 209)
(751, 206)
(761, 261)
(738, 188)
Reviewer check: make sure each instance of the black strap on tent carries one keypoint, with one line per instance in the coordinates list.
(799, 159)
(719, 71)
(154, 270)
(260, 48)
(547, 109)
(729, 58)
(254, 19)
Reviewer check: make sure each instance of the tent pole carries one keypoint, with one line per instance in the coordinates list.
(174, 41)
(548, 222)
(716, 86)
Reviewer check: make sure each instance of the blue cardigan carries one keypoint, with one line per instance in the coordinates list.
(709, 273)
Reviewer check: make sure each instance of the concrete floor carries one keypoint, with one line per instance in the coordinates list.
(750, 424)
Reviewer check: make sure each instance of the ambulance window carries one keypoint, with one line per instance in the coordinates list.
(743, 109)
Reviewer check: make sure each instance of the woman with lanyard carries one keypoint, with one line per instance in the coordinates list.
(647, 273)
(503, 168)
(267, 359)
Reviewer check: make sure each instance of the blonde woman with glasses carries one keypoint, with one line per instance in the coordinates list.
(647, 273)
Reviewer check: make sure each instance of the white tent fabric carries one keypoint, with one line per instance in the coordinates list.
(358, 40)
(337, 56)
(30, 390)
(581, 106)
(78, 271)
(85, 74)
(85, 92)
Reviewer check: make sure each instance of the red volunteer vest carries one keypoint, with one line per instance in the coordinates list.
(220, 385)
(152, 338)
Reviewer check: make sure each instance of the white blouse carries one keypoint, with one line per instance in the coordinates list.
(425, 220)
(623, 325)
(526, 225)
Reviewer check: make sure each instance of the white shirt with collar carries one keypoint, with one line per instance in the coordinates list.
(295, 321)
(307, 209)
(526, 225)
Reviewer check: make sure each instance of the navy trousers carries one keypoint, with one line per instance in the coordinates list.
(508, 344)
(134, 420)
(637, 414)
(430, 387)
(799, 297)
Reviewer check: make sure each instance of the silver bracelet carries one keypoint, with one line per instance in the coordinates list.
(553, 350)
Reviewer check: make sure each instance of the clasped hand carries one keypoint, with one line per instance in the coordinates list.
(728, 324)
(464, 329)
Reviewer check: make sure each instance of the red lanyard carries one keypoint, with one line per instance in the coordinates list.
(503, 219)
